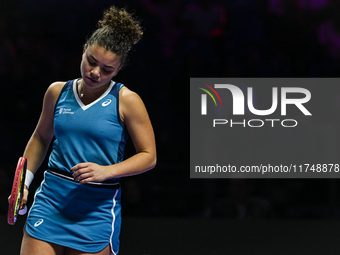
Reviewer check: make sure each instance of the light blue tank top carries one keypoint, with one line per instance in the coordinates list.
(87, 133)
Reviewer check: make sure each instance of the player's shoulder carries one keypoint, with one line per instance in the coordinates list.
(53, 90)
(128, 96)
(130, 104)
(57, 86)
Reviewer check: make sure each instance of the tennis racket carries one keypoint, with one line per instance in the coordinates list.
(17, 191)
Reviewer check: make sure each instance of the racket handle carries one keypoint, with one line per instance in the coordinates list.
(23, 210)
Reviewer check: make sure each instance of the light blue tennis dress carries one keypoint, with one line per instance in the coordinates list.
(64, 212)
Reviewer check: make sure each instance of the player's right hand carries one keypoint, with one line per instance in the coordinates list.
(24, 198)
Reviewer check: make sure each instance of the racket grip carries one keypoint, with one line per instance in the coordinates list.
(28, 178)
(23, 210)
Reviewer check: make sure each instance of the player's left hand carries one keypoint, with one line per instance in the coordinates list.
(89, 172)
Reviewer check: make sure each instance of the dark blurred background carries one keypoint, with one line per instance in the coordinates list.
(41, 41)
(164, 211)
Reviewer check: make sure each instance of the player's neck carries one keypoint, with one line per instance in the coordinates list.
(87, 95)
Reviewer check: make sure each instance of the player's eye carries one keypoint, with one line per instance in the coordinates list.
(91, 61)
(107, 71)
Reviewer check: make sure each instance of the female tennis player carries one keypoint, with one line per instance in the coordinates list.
(76, 209)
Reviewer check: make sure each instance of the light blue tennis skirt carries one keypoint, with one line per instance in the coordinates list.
(74, 215)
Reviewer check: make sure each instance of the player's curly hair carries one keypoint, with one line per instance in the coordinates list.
(117, 32)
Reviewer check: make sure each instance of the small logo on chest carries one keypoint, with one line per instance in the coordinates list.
(106, 102)
(65, 111)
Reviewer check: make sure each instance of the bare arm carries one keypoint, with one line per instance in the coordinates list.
(136, 119)
(39, 142)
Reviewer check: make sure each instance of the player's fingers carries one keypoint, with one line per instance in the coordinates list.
(75, 168)
(87, 179)
(78, 173)
(83, 178)
(22, 205)
(86, 168)
(78, 166)
(24, 198)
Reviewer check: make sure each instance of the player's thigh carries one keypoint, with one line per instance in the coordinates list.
(33, 246)
(105, 251)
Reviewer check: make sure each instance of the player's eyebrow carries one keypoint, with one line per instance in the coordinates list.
(107, 66)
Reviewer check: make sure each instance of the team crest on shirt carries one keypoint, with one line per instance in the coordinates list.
(106, 102)
(66, 111)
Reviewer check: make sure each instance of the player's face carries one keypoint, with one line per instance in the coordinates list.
(98, 66)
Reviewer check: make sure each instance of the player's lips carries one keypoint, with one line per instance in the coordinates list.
(92, 80)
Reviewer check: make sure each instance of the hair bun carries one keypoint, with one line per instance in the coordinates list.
(121, 20)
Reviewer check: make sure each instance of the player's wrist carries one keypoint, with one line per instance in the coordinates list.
(28, 178)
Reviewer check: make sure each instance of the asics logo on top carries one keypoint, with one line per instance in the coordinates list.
(106, 102)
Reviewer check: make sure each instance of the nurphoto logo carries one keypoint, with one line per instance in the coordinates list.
(238, 104)
(264, 127)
